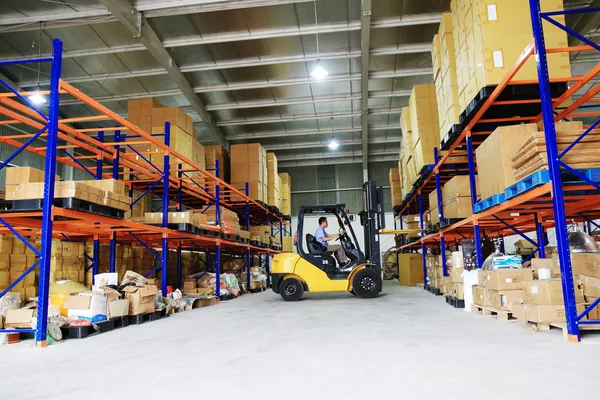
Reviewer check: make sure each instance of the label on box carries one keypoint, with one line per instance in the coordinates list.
(503, 300)
(508, 280)
(498, 62)
(534, 289)
(492, 12)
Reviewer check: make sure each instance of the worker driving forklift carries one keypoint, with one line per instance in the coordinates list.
(314, 269)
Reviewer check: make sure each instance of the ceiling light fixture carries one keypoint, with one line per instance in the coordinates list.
(318, 71)
(333, 144)
(37, 99)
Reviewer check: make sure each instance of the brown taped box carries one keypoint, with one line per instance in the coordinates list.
(547, 314)
(459, 186)
(587, 264)
(410, 269)
(17, 175)
(65, 189)
(548, 292)
(507, 279)
(109, 185)
(458, 208)
(494, 157)
(479, 296)
(500, 299)
(141, 299)
(591, 287)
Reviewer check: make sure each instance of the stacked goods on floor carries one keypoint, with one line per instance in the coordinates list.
(410, 269)
(214, 153)
(16, 258)
(229, 221)
(454, 280)
(489, 37)
(445, 73)
(424, 124)
(494, 157)
(249, 164)
(286, 194)
(406, 165)
(395, 187)
(26, 183)
(542, 299)
(435, 273)
(498, 288)
(274, 182)
(532, 156)
(150, 116)
(261, 234)
(135, 258)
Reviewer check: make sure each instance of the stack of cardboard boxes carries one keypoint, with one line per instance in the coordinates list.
(196, 219)
(406, 165)
(286, 194)
(217, 153)
(25, 183)
(456, 200)
(249, 164)
(395, 186)
(424, 124)
(542, 300)
(446, 81)
(435, 273)
(229, 221)
(151, 116)
(489, 36)
(273, 182)
(261, 233)
(15, 259)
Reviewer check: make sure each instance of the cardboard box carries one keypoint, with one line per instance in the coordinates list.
(494, 157)
(18, 175)
(547, 314)
(500, 299)
(537, 263)
(479, 296)
(587, 264)
(459, 207)
(199, 303)
(410, 269)
(455, 275)
(141, 298)
(507, 279)
(19, 318)
(549, 292)
(591, 287)
(458, 290)
(517, 309)
(118, 308)
(87, 305)
(459, 186)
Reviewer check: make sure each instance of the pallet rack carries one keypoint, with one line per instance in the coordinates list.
(548, 203)
(177, 181)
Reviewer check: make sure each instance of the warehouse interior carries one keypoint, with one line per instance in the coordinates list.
(165, 164)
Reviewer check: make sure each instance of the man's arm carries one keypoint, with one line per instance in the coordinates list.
(331, 237)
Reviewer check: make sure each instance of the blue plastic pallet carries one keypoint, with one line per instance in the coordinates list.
(490, 202)
(526, 184)
(542, 177)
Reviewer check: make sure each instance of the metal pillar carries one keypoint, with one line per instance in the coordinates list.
(217, 223)
(248, 256)
(473, 185)
(564, 255)
(423, 248)
(165, 211)
(539, 231)
(438, 186)
(179, 208)
(268, 270)
(50, 173)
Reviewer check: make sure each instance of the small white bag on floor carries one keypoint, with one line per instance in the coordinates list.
(469, 280)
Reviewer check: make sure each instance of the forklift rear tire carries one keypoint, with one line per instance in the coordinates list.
(291, 289)
(367, 283)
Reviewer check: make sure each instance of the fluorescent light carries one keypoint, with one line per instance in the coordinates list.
(319, 72)
(37, 99)
(334, 144)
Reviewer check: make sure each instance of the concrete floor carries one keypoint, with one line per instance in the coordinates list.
(404, 344)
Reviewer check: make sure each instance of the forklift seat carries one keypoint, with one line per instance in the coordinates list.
(314, 247)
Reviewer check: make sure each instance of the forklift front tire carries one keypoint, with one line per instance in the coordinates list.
(291, 289)
(367, 283)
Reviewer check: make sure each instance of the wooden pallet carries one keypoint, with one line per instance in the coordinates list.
(539, 326)
(502, 315)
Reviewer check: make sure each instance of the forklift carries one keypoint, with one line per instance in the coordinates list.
(314, 269)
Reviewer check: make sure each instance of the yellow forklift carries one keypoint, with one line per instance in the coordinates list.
(314, 269)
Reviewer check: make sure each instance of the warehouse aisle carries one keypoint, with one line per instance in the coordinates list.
(403, 344)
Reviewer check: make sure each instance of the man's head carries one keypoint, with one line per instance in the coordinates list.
(323, 222)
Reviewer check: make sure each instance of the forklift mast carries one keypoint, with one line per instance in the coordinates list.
(373, 220)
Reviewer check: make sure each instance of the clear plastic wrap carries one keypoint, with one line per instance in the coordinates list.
(581, 242)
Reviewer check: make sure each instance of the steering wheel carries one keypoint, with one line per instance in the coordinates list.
(343, 236)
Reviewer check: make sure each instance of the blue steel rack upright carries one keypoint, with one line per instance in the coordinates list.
(51, 127)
